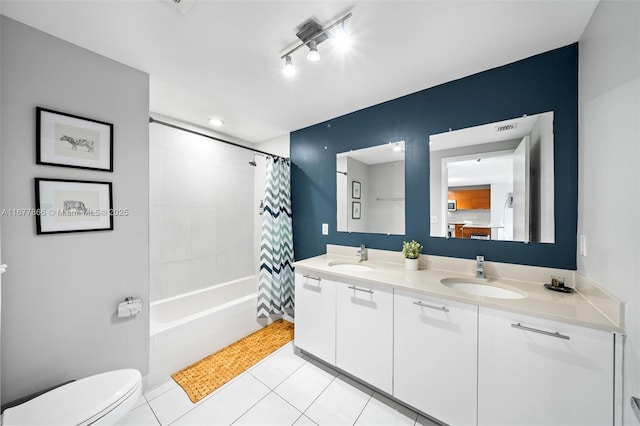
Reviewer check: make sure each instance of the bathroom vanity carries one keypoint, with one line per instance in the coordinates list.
(523, 354)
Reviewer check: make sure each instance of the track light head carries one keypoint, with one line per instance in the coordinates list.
(289, 70)
(341, 38)
(313, 55)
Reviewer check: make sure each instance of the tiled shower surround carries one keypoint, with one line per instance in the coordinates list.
(201, 215)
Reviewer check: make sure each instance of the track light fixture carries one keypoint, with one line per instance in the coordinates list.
(311, 35)
(313, 55)
(289, 70)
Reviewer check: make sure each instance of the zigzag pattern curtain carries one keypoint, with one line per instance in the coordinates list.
(276, 278)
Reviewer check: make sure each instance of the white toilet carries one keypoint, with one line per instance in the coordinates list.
(97, 400)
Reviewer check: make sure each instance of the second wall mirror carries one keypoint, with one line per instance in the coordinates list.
(494, 181)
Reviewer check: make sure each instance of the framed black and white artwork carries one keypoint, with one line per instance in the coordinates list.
(355, 189)
(73, 206)
(71, 141)
(355, 210)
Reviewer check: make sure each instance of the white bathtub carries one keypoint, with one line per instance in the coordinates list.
(190, 326)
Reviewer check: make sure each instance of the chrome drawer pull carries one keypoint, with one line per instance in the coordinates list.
(312, 278)
(424, 305)
(535, 330)
(360, 289)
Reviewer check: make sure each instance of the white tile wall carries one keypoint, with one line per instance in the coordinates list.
(202, 224)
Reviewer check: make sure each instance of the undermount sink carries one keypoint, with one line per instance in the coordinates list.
(479, 288)
(349, 267)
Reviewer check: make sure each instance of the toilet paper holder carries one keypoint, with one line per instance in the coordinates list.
(129, 307)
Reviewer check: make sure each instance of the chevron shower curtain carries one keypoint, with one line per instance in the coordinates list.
(276, 279)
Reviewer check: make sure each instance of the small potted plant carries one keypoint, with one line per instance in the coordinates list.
(411, 251)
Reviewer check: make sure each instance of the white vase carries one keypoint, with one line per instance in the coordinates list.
(411, 264)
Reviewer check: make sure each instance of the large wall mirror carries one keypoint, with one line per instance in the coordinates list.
(494, 181)
(370, 190)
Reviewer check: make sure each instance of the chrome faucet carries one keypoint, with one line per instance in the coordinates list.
(479, 266)
(362, 252)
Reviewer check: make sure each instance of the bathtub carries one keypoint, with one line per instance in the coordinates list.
(188, 327)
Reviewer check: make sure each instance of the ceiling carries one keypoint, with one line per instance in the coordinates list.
(222, 58)
(488, 170)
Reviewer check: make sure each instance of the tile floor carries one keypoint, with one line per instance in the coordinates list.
(283, 389)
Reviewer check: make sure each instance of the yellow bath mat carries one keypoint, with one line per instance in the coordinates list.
(203, 377)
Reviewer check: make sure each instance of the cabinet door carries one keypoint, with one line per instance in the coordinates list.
(464, 199)
(481, 199)
(435, 356)
(364, 331)
(315, 330)
(529, 375)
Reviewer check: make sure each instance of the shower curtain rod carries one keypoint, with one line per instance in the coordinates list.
(164, 123)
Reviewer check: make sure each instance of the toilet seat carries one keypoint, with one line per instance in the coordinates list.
(92, 400)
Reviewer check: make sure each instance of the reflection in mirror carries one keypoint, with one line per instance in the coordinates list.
(494, 181)
(370, 190)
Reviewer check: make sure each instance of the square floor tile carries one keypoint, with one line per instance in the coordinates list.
(159, 390)
(304, 421)
(227, 404)
(277, 367)
(340, 404)
(381, 410)
(171, 405)
(141, 401)
(271, 410)
(305, 384)
(141, 416)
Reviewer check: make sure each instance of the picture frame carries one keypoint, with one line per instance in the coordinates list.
(355, 210)
(67, 140)
(355, 189)
(64, 205)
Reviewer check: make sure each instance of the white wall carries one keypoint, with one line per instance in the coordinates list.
(547, 171)
(609, 178)
(61, 292)
(386, 181)
(542, 174)
(358, 172)
(501, 215)
(0, 193)
(201, 214)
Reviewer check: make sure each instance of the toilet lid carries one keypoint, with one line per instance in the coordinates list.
(79, 402)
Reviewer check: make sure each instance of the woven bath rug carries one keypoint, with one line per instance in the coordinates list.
(205, 376)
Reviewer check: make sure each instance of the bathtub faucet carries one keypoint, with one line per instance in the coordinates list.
(362, 252)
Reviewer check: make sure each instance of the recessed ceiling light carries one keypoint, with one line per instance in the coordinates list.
(216, 122)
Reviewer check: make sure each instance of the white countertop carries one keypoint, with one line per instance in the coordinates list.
(572, 308)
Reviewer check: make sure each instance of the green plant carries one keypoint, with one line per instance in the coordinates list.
(412, 249)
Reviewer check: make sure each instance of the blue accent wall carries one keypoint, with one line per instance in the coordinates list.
(541, 83)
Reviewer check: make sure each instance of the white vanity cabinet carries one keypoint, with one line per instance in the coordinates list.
(435, 356)
(315, 329)
(364, 333)
(540, 372)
